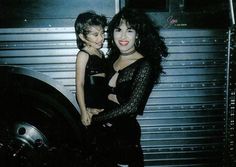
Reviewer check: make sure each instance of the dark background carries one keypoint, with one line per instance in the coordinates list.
(62, 13)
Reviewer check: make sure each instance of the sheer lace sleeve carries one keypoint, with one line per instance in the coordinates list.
(141, 88)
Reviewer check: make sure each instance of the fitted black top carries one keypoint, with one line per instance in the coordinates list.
(133, 87)
(95, 92)
(95, 64)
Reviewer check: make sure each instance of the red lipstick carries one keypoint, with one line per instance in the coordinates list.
(123, 42)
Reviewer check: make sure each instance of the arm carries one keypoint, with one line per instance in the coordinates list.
(81, 61)
(142, 86)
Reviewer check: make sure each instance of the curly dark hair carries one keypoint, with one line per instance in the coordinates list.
(86, 20)
(150, 44)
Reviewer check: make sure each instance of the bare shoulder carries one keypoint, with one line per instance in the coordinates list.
(81, 55)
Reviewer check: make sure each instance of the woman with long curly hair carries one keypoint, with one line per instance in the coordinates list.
(135, 54)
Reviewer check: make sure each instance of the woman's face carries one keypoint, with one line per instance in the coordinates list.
(124, 37)
(95, 37)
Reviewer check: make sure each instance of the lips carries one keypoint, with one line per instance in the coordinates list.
(123, 43)
(99, 44)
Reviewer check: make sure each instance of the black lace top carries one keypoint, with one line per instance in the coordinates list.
(133, 87)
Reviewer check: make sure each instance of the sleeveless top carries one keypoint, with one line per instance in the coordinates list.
(95, 92)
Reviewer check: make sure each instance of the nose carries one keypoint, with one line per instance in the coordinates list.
(100, 37)
(123, 35)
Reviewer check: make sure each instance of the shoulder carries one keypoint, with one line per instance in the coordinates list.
(82, 55)
(144, 71)
(143, 67)
(145, 64)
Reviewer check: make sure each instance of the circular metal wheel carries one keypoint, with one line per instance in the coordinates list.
(39, 125)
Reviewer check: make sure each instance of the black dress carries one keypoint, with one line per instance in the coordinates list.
(133, 87)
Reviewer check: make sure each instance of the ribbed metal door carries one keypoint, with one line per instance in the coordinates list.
(183, 124)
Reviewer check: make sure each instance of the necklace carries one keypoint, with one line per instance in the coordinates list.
(129, 53)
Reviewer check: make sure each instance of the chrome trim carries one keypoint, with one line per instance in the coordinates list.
(117, 6)
(232, 11)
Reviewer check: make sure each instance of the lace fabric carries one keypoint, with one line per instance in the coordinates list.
(133, 87)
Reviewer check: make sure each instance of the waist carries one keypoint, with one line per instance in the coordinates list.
(96, 80)
(111, 90)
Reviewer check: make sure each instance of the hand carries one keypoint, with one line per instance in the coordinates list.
(86, 118)
(94, 111)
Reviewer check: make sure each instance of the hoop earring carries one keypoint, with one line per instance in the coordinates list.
(113, 43)
(137, 43)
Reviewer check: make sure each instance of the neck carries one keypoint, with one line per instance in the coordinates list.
(128, 53)
(92, 50)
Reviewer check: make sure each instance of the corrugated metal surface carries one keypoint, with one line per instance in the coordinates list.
(183, 124)
(51, 51)
(230, 98)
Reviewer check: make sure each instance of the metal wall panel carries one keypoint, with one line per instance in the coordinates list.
(230, 98)
(183, 123)
(53, 13)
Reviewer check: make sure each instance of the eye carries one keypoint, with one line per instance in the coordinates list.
(130, 30)
(95, 34)
(117, 29)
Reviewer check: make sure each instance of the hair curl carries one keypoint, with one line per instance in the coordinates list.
(86, 20)
(151, 44)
